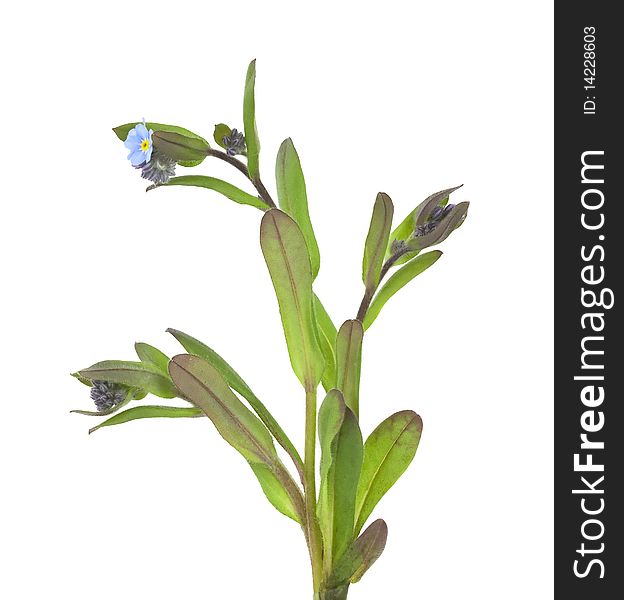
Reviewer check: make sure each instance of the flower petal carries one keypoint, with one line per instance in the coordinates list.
(148, 153)
(132, 141)
(136, 158)
(142, 131)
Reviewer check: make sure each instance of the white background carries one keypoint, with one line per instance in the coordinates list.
(407, 98)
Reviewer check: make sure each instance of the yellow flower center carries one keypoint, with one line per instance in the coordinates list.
(145, 145)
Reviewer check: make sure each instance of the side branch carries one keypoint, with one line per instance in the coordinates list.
(237, 164)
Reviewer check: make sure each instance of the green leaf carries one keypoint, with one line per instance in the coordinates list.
(218, 185)
(286, 255)
(293, 199)
(361, 555)
(327, 340)
(388, 452)
(276, 493)
(148, 412)
(82, 380)
(203, 385)
(249, 120)
(121, 131)
(133, 374)
(349, 361)
(153, 356)
(181, 148)
(236, 382)
(220, 131)
(403, 232)
(341, 460)
(403, 276)
(377, 241)
(197, 348)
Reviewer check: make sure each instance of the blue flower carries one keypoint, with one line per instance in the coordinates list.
(139, 142)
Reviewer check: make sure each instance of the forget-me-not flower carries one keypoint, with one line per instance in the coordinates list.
(139, 142)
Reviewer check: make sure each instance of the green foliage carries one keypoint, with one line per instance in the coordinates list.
(153, 356)
(354, 476)
(276, 492)
(349, 361)
(201, 384)
(236, 382)
(133, 374)
(220, 131)
(388, 452)
(293, 199)
(286, 255)
(218, 185)
(185, 150)
(121, 131)
(377, 240)
(148, 412)
(327, 340)
(341, 459)
(249, 120)
(402, 277)
(361, 555)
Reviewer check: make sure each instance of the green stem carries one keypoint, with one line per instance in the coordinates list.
(257, 183)
(369, 293)
(314, 532)
(366, 300)
(335, 594)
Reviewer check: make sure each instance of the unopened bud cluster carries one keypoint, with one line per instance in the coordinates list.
(435, 218)
(106, 395)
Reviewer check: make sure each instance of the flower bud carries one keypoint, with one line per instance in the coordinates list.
(106, 395)
(159, 169)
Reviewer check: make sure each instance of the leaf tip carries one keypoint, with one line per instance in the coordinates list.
(251, 70)
(379, 526)
(180, 359)
(413, 419)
